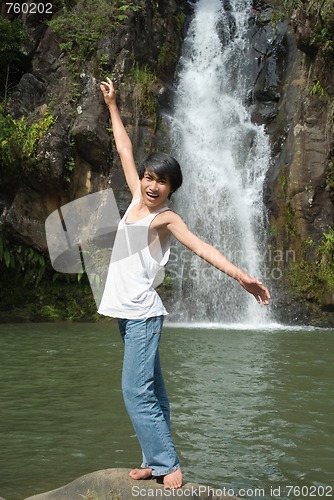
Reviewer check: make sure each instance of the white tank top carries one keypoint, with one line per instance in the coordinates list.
(129, 291)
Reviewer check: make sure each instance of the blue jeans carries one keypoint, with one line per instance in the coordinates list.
(145, 395)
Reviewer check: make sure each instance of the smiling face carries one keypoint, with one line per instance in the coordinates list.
(155, 190)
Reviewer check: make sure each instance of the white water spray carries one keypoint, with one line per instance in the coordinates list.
(224, 158)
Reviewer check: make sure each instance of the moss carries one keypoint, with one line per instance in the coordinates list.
(325, 256)
(288, 213)
(170, 51)
(283, 181)
(312, 274)
(330, 175)
(290, 225)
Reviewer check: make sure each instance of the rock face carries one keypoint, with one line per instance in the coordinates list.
(75, 156)
(302, 142)
(292, 98)
(291, 82)
(116, 484)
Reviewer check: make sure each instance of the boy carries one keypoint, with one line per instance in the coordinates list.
(141, 249)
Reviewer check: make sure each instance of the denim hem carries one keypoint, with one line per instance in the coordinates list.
(159, 471)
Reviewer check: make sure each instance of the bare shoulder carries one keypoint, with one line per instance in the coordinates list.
(165, 219)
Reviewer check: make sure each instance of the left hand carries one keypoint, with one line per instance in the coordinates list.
(256, 288)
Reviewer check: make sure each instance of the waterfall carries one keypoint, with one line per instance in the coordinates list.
(224, 158)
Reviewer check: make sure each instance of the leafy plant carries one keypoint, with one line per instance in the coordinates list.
(80, 28)
(21, 263)
(69, 169)
(317, 89)
(19, 142)
(322, 26)
(290, 5)
(12, 35)
(143, 81)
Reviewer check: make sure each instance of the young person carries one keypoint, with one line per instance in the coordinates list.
(141, 249)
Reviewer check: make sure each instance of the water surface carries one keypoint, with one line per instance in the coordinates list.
(250, 409)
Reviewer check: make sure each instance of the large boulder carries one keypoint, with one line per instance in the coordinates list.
(116, 483)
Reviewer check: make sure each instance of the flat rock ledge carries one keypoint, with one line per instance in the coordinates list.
(115, 484)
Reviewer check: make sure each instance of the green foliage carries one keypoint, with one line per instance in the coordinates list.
(18, 144)
(80, 28)
(12, 35)
(279, 13)
(283, 181)
(325, 254)
(323, 27)
(290, 225)
(168, 56)
(142, 82)
(63, 300)
(20, 263)
(290, 5)
(317, 89)
(289, 213)
(302, 276)
(69, 169)
(169, 52)
(313, 273)
(330, 175)
(34, 291)
(320, 13)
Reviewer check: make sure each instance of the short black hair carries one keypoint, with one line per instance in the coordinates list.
(165, 167)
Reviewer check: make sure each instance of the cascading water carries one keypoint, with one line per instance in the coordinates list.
(224, 158)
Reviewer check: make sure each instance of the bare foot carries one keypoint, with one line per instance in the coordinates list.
(140, 473)
(173, 480)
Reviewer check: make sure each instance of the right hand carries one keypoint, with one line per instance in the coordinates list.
(108, 92)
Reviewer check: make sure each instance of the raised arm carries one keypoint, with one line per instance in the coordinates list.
(122, 140)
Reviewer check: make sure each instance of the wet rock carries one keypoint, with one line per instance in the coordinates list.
(267, 56)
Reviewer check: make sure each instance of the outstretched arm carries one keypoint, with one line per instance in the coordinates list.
(210, 254)
(122, 140)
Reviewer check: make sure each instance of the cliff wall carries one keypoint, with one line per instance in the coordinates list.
(299, 191)
(55, 146)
